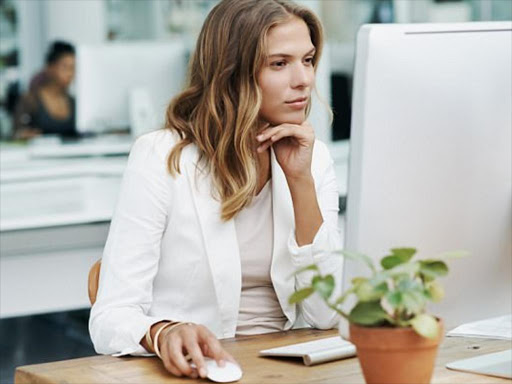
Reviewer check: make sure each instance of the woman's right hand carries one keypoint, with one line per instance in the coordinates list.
(195, 340)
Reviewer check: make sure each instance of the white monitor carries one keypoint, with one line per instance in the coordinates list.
(110, 75)
(431, 157)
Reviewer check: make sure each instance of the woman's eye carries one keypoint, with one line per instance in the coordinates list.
(309, 60)
(280, 63)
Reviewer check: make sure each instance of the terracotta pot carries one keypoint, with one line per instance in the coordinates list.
(395, 355)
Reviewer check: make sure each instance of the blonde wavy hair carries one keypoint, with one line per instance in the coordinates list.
(218, 110)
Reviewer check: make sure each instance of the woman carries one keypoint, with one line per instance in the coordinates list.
(48, 108)
(219, 209)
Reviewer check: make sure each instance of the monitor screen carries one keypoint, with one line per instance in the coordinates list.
(430, 156)
(109, 75)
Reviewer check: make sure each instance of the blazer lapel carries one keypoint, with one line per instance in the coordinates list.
(282, 267)
(220, 244)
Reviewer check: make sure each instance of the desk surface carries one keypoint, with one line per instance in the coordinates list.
(107, 369)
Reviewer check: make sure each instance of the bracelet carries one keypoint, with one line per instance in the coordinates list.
(170, 327)
(155, 345)
(149, 341)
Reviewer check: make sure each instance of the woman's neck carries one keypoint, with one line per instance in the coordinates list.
(53, 89)
(264, 170)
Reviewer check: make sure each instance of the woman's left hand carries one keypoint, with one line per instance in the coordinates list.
(293, 147)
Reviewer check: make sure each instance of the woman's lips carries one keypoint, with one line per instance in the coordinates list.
(300, 103)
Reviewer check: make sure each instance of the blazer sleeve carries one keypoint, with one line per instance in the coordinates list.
(119, 318)
(327, 239)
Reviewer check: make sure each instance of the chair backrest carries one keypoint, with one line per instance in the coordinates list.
(94, 280)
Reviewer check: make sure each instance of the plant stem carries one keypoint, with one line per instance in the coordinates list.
(339, 311)
(344, 296)
(400, 322)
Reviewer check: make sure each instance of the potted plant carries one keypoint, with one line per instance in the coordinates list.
(396, 340)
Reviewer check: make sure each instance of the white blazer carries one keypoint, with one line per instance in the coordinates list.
(169, 256)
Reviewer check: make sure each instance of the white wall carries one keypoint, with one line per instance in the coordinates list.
(314, 5)
(32, 37)
(342, 19)
(77, 21)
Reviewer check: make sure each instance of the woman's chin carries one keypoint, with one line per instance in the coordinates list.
(289, 119)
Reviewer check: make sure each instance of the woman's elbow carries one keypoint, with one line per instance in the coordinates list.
(327, 324)
(327, 321)
(99, 340)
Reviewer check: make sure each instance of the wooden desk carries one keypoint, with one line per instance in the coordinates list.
(107, 369)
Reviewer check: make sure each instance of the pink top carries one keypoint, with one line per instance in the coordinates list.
(260, 311)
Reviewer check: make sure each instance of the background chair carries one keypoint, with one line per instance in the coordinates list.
(93, 281)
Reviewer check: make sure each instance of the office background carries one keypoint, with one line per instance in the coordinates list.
(55, 210)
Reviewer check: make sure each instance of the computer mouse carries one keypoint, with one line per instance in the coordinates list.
(228, 373)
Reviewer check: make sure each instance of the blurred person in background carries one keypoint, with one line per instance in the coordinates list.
(47, 107)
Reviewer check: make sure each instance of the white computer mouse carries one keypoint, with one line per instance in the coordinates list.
(228, 373)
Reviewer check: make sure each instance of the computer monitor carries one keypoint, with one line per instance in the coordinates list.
(112, 76)
(431, 157)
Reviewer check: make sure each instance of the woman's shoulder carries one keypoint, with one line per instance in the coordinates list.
(158, 139)
(153, 148)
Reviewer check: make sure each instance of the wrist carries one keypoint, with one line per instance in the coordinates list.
(164, 331)
(305, 177)
(155, 327)
(300, 180)
(159, 336)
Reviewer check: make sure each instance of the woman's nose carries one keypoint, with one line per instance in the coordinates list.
(302, 76)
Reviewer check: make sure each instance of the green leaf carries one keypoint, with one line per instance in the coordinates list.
(435, 291)
(413, 298)
(404, 253)
(367, 292)
(426, 326)
(368, 313)
(406, 268)
(394, 298)
(358, 280)
(323, 285)
(432, 269)
(379, 278)
(359, 257)
(407, 284)
(400, 271)
(398, 256)
(300, 295)
(414, 301)
(389, 262)
(312, 267)
(453, 254)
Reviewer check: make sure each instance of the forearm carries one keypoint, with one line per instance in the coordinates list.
(308, 217)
